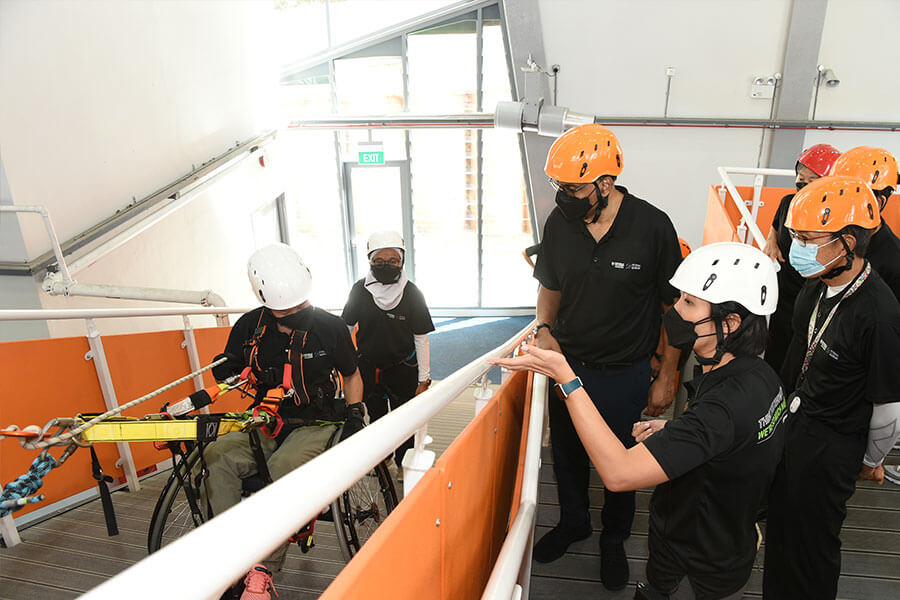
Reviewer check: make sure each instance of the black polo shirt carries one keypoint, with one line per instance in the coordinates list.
(720, 457)
(789, 280)
(884, 254)
(612, 290)
(385, 337)
(328, 346)
(857, 363)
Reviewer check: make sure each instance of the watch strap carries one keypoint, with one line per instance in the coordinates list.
(566, 389)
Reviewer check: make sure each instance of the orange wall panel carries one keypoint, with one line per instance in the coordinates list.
(403, 557)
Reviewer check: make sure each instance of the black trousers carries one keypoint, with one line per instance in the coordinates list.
(807, 507)
(389, 386)
(620, 395)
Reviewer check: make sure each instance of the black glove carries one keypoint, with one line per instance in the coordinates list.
(230, 367)
(356, 420)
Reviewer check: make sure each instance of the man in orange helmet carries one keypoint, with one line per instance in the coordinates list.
(844, 405)
(815, 162)
(604, 268)
(878, 168)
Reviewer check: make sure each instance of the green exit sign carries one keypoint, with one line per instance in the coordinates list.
(371, 158)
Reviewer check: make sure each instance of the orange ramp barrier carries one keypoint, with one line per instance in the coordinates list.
(449, 530)
(49, 378)
(722, 220)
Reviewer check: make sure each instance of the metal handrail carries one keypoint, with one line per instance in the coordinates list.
(749, 217)
(512, 571)
(229, 545)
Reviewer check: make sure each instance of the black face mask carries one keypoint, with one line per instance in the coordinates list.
(800, 185)
(298, 320)
(574, 208)
(386, 274)
(682, 334)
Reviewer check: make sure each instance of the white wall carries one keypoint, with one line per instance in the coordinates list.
(104, 101)
(613, 55)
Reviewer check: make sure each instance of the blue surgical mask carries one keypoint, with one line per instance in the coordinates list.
(804, 257)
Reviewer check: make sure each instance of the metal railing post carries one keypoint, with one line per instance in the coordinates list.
(109, 396)
(190, 344)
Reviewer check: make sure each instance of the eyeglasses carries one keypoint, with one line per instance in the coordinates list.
(569, 188)
(803, 242)
(394, 262)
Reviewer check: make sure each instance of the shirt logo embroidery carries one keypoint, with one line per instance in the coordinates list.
(625, 266)
(317, 354)
(830, 352)
(393, 316)
(769, 422)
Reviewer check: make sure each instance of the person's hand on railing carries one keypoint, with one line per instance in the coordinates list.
(422, 386)
(546, 362)
(644, 429)
(355, 421)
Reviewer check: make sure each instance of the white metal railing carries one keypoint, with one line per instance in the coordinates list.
(748, 218)
(512, 571)
(224, 548)
(62, 283)
(98, 356)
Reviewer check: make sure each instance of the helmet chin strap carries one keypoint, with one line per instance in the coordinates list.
(844, 267)
(602, 202)
(720, 348)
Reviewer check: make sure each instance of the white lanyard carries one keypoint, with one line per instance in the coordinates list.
(811, 331)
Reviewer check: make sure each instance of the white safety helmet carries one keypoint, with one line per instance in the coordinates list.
(279, 277)
(730, 271)
(385, 239)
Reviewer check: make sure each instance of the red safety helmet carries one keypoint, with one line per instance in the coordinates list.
(819, 158)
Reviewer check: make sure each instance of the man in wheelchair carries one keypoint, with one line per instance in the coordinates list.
(290, 351)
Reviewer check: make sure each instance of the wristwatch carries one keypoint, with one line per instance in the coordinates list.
(566, 389)
(537, 328)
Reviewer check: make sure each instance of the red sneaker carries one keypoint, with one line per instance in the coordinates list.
(257, 584)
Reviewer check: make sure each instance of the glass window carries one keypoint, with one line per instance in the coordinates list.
(444, 216)
(371, 85)
(506, 228)
(264, 222)
(442, 72)
(305, 99)
(494, 73)
(313, 206)
(352, 19)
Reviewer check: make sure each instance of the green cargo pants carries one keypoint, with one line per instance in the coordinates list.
(230, 459)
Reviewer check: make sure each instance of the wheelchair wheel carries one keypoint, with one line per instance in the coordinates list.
(362, 508)
(174, 516)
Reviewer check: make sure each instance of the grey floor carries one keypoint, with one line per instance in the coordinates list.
(871, 546)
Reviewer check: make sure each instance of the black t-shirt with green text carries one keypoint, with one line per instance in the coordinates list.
(720, 457)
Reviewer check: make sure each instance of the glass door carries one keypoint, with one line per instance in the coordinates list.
(377, 199)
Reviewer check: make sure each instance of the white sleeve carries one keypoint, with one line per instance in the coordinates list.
(884, 429)
(421, 342)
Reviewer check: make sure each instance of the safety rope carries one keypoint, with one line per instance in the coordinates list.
(20, 491)
(65, 437)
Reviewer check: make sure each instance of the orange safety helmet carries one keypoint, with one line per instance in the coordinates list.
(819, 158)
(685, 248)
(829, 204)
(583, 154)
(876, 166)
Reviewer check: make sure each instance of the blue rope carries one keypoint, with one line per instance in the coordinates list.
(26, 485)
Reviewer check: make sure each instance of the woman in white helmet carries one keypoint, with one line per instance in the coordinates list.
(714, 464)
(290, 349)
(393, 326)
